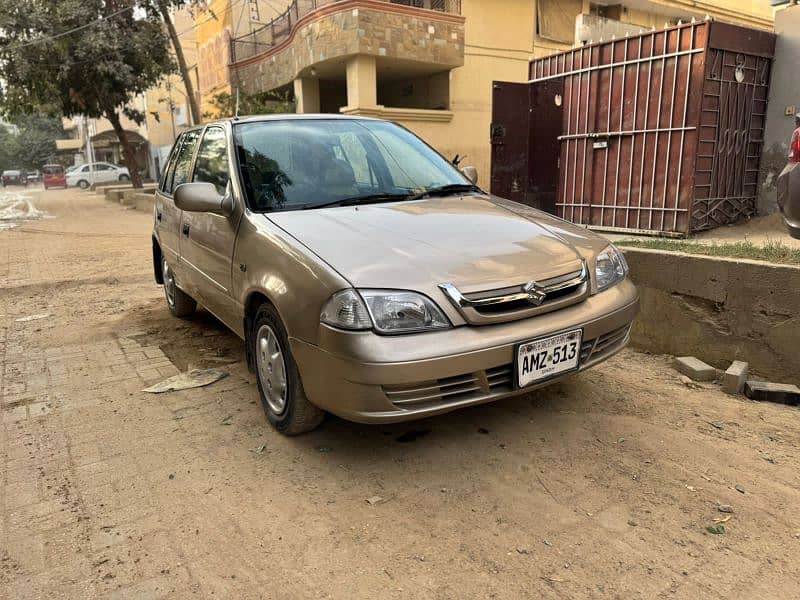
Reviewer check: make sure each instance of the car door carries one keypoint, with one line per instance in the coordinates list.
(168, 216)
(85, 174)
(207, 240)
(105, 173)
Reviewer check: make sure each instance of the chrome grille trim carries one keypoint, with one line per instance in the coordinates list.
(521, 301)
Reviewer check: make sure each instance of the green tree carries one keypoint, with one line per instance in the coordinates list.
(35, 144)
(9, 149)
(81, 57)
(225, 104)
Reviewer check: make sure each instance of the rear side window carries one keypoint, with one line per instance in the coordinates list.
(212, 159)
(183, 162)
(169, 171)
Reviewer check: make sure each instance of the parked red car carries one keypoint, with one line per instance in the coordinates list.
(54, 176)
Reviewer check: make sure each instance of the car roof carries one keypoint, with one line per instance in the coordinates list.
(285, 117)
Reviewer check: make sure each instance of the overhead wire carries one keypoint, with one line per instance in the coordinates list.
(56, 36)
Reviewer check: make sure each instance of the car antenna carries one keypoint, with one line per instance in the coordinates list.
(236, 112)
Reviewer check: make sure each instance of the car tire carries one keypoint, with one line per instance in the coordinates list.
(180, 303)
(83, 184)
(285, 403)
(124, 177)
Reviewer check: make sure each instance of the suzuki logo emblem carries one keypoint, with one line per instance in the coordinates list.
(535, 293)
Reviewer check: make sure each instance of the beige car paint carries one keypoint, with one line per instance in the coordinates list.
(298, 259)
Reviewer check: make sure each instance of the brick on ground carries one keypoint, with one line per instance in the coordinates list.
(735, 377)
(766, 391)
(695, 368)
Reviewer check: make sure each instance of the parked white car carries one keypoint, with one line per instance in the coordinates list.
(100, 172)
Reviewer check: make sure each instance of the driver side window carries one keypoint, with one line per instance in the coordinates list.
(212, 159)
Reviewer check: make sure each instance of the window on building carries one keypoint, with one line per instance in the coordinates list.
(430, 92)
(555, 19)
(212, 159)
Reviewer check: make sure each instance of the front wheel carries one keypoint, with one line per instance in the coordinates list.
(279, 385)
(83, 184)
(124, 178)
(180, 304)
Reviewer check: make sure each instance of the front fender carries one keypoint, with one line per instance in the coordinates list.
(277, 267)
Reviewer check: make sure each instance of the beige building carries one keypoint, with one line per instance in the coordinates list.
(168, 112)
(105, 146)
(427, 64)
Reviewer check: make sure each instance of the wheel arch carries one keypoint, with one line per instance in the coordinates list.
(157, 255)
(253, 300)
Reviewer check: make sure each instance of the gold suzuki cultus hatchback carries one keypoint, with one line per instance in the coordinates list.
(370, 278)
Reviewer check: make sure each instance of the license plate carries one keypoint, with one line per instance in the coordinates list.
(547, 357)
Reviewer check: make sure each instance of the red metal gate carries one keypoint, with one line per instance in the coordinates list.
(526, 123)
(661, 132)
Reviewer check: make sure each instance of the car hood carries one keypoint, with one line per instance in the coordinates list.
(474, 242)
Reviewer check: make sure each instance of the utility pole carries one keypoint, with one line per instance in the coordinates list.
(163, 8)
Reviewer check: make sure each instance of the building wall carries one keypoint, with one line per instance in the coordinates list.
(496, 47)
(171, 91)
(163, 124)
(784, 97)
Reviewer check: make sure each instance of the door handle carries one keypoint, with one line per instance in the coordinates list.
(158, 215)
(186, 229)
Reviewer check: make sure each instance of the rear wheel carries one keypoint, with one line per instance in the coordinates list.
(279, 385)
(180, 304)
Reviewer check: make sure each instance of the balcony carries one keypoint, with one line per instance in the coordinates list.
(280, 29)
(382, 41)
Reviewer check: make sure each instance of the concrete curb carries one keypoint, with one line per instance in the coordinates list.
(144, 202)
(718, 309)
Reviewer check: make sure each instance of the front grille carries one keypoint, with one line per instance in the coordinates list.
(482, 385)
(606, 344)
(520, 301)
(448, 390)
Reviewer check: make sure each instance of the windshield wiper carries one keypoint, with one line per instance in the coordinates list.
(369, 199)
(444, 190)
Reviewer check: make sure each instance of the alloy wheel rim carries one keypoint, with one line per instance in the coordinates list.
(271, 368)
(169, 283)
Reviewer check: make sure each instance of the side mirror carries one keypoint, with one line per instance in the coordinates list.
(471, 173)
(201, 196)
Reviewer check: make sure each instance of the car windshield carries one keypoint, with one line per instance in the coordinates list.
(299, 164)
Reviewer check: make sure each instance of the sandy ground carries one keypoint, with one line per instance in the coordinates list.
(603, 486)
(758, 230)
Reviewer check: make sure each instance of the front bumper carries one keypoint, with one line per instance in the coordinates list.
(367, 378)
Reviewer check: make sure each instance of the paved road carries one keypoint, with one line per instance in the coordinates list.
(599, 487)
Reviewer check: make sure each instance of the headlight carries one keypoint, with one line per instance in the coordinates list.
(346, 309)
(610, 268)
(386, 311)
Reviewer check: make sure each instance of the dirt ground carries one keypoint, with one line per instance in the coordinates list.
(758, 230)
(603, 486)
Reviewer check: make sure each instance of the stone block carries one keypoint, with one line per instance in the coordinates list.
(780, 393)
(694, 368)
(735, 377)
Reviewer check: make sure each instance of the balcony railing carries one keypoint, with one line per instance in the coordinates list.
(280, 28)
